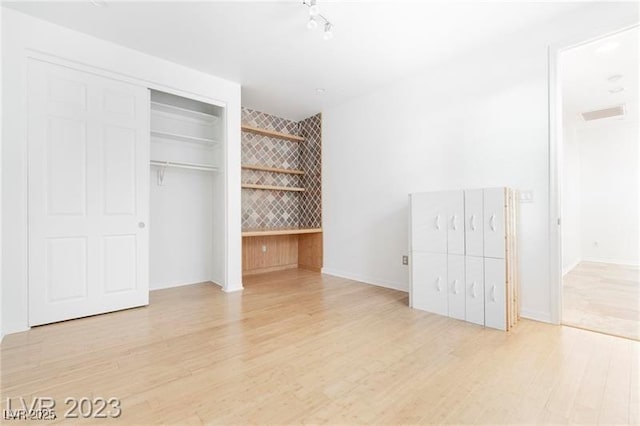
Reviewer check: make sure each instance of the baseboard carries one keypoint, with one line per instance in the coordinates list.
(269, 269)
(622, 262)
(233, 289)
(536, 315)
(367, 280)
(172, 285)
(569, 268)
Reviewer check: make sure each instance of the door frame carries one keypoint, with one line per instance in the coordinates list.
(556, 126)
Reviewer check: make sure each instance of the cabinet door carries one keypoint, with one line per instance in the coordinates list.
(473, 223)
(494, 233)
(495, 315)
(429, 282)
(474, 275)
(455, 222)
(428, 222)
(456, 285)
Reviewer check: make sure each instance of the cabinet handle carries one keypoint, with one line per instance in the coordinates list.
(473, 289)
(493, 293)
(454, 226)
(473, 222)
(455, 286)
(438, 286)
(437, 221)
(492, 222)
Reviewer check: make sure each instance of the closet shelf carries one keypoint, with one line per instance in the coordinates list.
(272, 188)
(176, 110)
(189, 166)
(271, 169)
(279, 231)
(185, 138)
(272, 133)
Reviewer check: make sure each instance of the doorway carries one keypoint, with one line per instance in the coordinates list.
(600, 185)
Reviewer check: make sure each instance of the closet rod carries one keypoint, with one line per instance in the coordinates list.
(190, 166)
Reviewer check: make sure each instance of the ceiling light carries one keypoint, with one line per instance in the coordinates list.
(328, 34)
(608, 47)
(614, 78)
(616, 90)
(312, 24)
(314, 9)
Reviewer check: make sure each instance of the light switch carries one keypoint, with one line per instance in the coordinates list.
(526, 196)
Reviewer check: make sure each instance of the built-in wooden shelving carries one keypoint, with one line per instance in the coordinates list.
(272, 133)
(272, 188)
(280, 231)
(271, 169)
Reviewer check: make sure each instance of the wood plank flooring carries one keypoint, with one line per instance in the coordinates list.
(604, 298)
(299, 347)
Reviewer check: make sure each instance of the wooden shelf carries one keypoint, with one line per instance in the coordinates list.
(272, 188)
(279, 231)
(272, 133)
(272, 169)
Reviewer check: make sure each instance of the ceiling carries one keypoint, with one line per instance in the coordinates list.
(267, 48)
(587, 72)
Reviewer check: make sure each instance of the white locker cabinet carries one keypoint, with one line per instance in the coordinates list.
(474, 274)
(474, 222)
(428, 222)
(456, 284)
(494, 229)
(429, 282)
(455, 222)
(495, 315)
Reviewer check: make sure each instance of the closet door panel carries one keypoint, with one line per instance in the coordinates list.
(495, 293)
(456, 286)
(474, 276)
(474, 222)
(88, 156)
(494, 229)
(429, 282)
(428, 222)
(455, 222)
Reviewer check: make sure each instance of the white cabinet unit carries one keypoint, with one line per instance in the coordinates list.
(465, 239)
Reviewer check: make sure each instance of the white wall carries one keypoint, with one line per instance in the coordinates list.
(480, 121)
(571, 200)
(610, 192)
(23, 34)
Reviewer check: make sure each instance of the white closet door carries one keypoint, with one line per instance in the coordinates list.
(429, 222)
(495, 315)
(455, 222)
(456, 285)
(494, 233)
(474, 224)
(429, 282)
(474, 276)
(88, 194)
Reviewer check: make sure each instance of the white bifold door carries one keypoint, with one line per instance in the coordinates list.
(88, 150)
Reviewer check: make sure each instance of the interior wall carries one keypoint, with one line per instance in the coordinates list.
(23, 34)
(610, 192)
(479, 121)
(571, 200)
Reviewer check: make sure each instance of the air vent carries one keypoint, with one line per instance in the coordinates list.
(617, 111)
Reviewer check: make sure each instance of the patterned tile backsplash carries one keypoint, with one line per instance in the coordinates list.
(282, 209)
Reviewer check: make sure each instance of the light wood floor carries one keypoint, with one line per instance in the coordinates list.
(603, 297)
(297, 346)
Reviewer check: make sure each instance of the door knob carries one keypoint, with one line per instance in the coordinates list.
(141, 225)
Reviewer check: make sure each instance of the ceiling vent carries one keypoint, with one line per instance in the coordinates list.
(617, 111)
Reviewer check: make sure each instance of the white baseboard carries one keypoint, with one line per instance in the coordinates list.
(233, 288)
(569, 268)
(623, 262)
(163, 286)
(13, 331)
(367, 280)
(536, 315)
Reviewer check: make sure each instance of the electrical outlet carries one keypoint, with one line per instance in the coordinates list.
(405, 260)
(264, 249)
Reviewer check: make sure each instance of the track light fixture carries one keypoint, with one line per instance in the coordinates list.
(315, 16)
